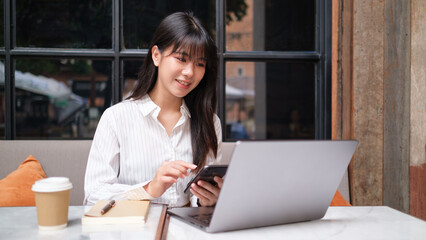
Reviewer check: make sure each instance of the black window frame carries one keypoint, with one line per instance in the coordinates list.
(321, 56)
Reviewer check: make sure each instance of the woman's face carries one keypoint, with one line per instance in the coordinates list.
(178, 73)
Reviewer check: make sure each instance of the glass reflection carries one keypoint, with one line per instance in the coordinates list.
(1, 23)
(270, 100)
(64, 24)
(60, 98)
(271, 25)
(2, 102)
(131, 70)
(141, 18)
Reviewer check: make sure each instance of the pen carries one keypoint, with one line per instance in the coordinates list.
(108, 207)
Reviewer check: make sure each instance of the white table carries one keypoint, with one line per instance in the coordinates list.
(21, 223)
(338, 223)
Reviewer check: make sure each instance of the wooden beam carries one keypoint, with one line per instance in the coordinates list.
(396, 79)
(343, 94)
(417, 112)
(367, 79)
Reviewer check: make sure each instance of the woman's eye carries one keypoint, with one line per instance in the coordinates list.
(201, 64)
(181, 59)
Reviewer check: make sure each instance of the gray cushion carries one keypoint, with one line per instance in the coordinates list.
(66, 158)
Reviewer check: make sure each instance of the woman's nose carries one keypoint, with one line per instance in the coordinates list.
(188, 69)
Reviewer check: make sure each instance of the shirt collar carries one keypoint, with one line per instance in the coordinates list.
(147, 106)
(184, 109)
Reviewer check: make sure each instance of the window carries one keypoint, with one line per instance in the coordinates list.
(2, 100)
(140, 18)
(1, 23)
(130, 76)
(274, 100)
(64, 24)
(66, 61)
(275, 79)
(60, 98)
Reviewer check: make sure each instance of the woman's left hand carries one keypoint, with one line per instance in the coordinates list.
(206, 193)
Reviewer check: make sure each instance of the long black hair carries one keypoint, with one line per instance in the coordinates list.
(185, 31)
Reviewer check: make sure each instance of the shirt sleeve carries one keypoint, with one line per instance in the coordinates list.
(103, 167)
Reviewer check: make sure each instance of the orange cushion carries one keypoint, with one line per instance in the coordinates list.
(15, 189)
(338, 200)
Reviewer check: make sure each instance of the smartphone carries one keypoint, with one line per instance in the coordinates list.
(207, 174)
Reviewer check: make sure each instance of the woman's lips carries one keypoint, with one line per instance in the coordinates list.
(183, 84)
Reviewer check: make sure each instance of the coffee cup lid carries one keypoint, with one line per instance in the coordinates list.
(52, 184)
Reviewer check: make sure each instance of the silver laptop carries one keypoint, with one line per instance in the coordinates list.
(274, 182)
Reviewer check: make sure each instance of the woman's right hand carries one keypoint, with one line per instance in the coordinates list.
(168, 174)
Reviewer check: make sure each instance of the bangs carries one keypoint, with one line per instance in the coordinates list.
(195, 46)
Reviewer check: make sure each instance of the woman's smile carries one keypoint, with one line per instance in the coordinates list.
(183, 84)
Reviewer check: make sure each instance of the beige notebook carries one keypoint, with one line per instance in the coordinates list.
(124, 212)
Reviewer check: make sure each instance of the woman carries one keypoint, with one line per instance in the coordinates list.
(145, 146)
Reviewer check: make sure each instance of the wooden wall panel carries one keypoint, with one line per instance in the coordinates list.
(345, 71)
(342, 101)
(341, 78)
(396, 78)
(418, 191)
(379, 98)
(342, 70)
(368, 58)
(418, 110)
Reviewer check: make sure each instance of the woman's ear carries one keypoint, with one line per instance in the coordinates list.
(156, 55)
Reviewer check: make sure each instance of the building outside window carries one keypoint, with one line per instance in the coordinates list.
(62, 63)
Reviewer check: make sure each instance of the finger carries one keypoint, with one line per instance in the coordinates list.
(174, 172)
(179, 166)
(200, 197)
(204, 192)
(168, 179)
(209, 187)
(187, 165)
(219, 181)
(183, 170)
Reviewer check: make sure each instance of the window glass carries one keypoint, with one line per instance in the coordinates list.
(270, 100)
(60, 98)
(64, 24)
(1, 23)
(270, 25)
(2, 101)
(130, 73)
(141, 17)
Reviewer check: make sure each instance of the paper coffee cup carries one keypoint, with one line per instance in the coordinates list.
(52, 198)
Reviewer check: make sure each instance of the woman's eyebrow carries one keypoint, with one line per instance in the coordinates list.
(183, 53)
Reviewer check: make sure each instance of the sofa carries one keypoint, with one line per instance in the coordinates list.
(68, 158)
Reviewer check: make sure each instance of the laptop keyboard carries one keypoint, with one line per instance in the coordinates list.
(204, 218)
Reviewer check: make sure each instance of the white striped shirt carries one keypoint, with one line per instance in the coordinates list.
(130, 144)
